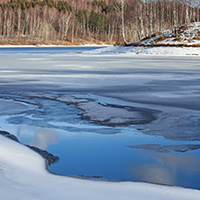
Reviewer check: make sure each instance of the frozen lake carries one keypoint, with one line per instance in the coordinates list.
(113, 117)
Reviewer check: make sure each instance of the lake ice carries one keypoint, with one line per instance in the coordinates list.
(90, 110)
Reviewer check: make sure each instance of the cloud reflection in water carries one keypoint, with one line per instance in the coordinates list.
(43, 138)
(166, 168)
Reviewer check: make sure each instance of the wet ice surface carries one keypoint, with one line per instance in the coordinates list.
(81, 108)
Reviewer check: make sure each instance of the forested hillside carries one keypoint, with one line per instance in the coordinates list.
(90, 21)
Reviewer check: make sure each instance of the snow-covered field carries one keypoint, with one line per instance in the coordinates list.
(168, 84)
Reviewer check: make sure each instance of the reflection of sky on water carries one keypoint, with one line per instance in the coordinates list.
(167, 168)
(43, 138)
(154, 174)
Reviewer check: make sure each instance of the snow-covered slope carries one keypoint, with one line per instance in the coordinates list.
(187, 35)
(184, 42)
(23, 176)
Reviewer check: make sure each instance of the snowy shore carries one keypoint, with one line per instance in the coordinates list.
(122, 50)
(23, 176)
(150, 51)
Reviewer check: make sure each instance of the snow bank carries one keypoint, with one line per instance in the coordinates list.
(154, 51)
(23, 176)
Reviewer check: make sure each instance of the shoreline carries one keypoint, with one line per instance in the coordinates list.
(124, 51)
(103, 44)
(51, 159)
(56, 45)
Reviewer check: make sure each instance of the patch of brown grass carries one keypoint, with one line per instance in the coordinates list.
(153, 35)
(136, 44)
(119, 43)
(177, 39)
(183, 27)
(195, 45)
(161, 38)
(190, 40)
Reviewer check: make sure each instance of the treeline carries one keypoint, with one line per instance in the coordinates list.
(24, 4)
(90, 21)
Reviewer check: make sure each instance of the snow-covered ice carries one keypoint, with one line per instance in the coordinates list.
(111, 115)
(8, 107)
